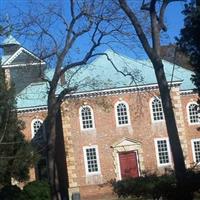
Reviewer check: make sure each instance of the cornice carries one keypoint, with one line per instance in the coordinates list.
(8, 62)
(105, 92)
(115, 91)
(186, 92)
(31, 109)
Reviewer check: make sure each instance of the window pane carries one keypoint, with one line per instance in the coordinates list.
(86, 116)
(197, 150)
(91, 156)
(157, 110)
(193, 113)
(36, 126)
(122, 115)
(163, 154)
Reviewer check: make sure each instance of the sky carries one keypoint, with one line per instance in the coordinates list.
(174, 18)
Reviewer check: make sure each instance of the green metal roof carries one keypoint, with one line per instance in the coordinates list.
(32, 96)
(10, 40)
(100, 74)
(4, 58)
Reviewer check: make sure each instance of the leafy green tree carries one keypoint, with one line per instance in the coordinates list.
(189, 41)
(36, 190)
(16, 154)
(10, 192)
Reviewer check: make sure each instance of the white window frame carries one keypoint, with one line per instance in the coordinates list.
(32, 127)
(157, 153)
(188, 114)
(97, 158)
(193, 150)
(80, 118)
(116, 114)
(151, 109)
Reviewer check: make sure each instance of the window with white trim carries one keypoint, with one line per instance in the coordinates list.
(156, 109)
(36, 124)
(122, 113)
(86, 117)
(193, 115)
(162, 152)
(196, 150)
(91, 159)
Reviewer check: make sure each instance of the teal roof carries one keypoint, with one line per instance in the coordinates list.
(10, 40)
(4, 58)
(140, 72)
(33, 96)
(100, 74)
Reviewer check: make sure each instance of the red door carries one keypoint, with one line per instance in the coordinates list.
(128, 164)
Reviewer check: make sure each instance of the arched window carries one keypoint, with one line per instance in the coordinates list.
(122, 113)
(36, 124)
(86, 117)
(193, 115)
(156, 109)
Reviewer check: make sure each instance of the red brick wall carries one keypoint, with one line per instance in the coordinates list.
(106, 133)
(191, 130)
(97, 192)
(27, 117)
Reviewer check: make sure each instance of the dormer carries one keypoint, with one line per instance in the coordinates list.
(21, 66)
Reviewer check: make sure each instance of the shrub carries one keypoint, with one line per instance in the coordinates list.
(153, 186)
(10, 192)
(36, 190)
(137, 187)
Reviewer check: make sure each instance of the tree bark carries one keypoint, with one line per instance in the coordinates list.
(170, 120)
(153, 54)
(51, 134)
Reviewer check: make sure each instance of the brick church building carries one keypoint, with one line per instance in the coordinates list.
(113, 126)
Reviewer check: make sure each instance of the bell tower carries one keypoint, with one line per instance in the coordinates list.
(21, 66)
(10, 45)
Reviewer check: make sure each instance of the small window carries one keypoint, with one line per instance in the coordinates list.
(193, 115)
(157, 110)
(196, 150)
(86, 117)
(36, 124)
(91, 160)
(162, 150)
(122, 113)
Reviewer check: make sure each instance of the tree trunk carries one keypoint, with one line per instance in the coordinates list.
(153, 54)
(51, 134)
(178, 158)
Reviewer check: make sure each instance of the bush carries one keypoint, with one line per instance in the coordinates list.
(36, 190)
(10, 192)
(153, 186)
(137, 187)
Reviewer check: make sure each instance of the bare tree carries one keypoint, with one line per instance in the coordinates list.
(58, 35)
(89, 23)
(153, 51)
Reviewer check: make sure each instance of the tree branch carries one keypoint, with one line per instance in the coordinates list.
(88, 55)
(5, 127)
(161, 15)
(129, 74)
(155, 27)
(44, 31)
(138, 28)
(72, 8)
